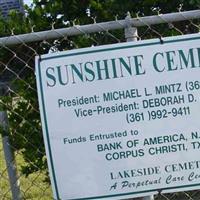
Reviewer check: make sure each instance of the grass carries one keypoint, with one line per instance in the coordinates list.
(31, 187)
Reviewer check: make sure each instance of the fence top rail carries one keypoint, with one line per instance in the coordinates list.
(99, 27)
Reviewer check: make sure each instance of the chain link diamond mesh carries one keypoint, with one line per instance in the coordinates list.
(19, 99)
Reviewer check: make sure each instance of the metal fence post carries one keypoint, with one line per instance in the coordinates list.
(9, 156)
(131, 34)
(148, 198)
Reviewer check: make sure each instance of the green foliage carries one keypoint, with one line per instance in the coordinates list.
(22, 104)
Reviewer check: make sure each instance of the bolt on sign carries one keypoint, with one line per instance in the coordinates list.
(122, 120)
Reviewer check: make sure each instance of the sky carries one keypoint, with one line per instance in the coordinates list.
(28, 2)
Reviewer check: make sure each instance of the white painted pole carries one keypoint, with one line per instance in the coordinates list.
(8, 154)
(131, 33)
(148, 198)
(9, 158)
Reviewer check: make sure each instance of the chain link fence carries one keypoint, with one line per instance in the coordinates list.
(23, 167)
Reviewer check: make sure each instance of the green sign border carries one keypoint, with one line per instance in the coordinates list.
(81, 52)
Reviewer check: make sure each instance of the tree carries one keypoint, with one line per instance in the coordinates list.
(17, 63)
